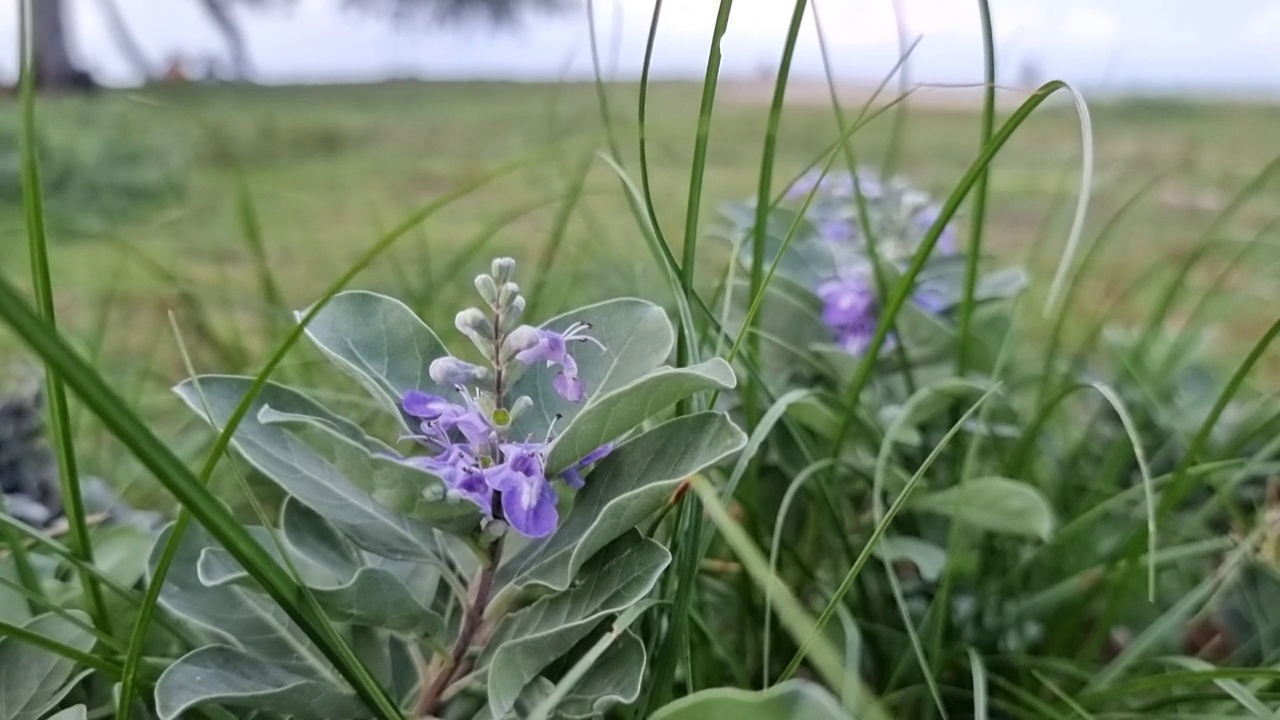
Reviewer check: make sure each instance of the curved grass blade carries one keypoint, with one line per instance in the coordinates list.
(42, 281)
(882, 525)
(826, 659)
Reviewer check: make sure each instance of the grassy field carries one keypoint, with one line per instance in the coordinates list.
(327, 168)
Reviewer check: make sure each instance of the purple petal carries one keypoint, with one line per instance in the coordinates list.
(550, 347)
(570, 389)
(530, 508)
(596, 455)
(424, 405)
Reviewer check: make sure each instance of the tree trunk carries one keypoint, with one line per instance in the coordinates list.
(230, 29)
(129, 46)
(51, 54)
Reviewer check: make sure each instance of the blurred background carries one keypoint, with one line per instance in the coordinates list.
(225, 160)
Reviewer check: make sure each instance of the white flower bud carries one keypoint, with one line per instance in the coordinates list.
(502, 269)
(475, 325)
(452, 371)
(511, 314)
(522, 338)
(488, 289)
(507, 293)
(520, 407)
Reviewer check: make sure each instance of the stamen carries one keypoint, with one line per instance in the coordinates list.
(551, 428)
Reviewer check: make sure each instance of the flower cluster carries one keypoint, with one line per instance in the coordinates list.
(468, 438)
(899, 216)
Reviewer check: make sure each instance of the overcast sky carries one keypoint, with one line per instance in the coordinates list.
(1159, 44)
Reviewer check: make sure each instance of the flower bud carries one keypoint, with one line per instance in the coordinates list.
(522, 338)
(475, 325)
(502, 269)
(452, 371)
(508, 293)
(520, 407)
(511, 314)
(492, 532)
(488, 289)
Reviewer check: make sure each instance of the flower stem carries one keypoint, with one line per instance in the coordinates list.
(432, 694)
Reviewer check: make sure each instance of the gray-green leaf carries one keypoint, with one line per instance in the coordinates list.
(316, 480)
(994, 504)
(218, 674)
(32, 679)
(607, 417)
(628, 486)
(239, 616)
(614, 679)
(380, 342)
(361, 588)
(792, 700)
(528, 641)
(76, 712)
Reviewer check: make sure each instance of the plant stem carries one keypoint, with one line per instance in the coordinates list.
(471, 621)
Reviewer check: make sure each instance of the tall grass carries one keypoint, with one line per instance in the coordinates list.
(899, 609)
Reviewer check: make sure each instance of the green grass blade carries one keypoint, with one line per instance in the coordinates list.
(885, 517)
(251, 227)
(689, 522)
(89, 660)
(559, 230)
(978, 221)
(826, 659)
(42, 281)
(981, 709)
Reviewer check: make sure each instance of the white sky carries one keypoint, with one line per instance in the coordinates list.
(1166, 44)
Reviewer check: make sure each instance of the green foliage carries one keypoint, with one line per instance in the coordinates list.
(93, 181)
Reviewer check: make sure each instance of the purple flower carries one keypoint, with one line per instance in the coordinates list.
(804, 185)
(461, 473)
(424, 405)
(849, 310)
(836, 230)
(573, 476)
(553, 348)
(528, 501)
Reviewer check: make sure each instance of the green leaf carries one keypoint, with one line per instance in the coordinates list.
(614, 679)
(76, 712)
(637, 338)
(928, 558)
(608, 417)
(14, 608)
(528, 641)
(363, 589)
(218, 674)
(792, 700)
(120, 551)
(316, 480)
(994, 504)
(380, 342)
(629, 485)
(33, 680)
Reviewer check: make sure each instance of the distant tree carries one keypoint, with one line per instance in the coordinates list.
(494, 12)
(53, 65)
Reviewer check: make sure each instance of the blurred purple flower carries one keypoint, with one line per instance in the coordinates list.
(849, 310)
